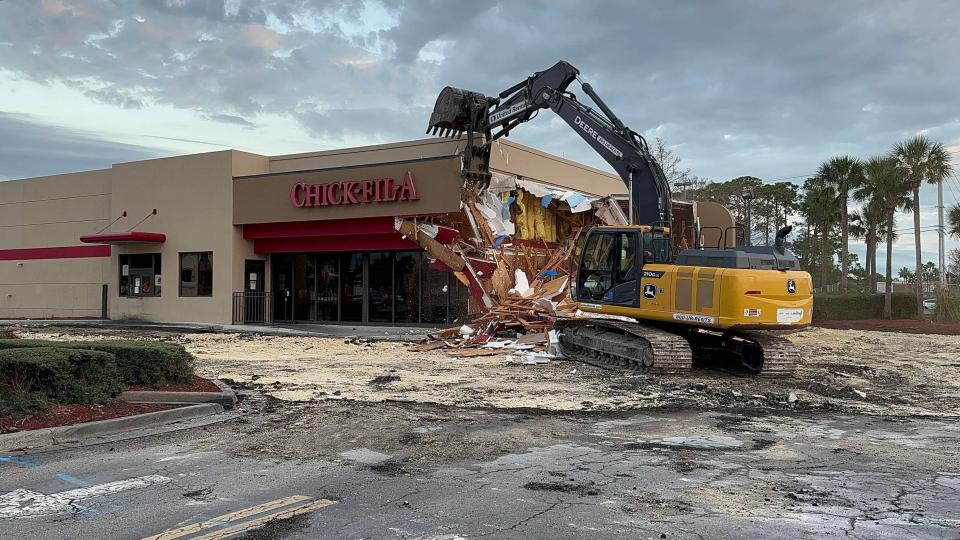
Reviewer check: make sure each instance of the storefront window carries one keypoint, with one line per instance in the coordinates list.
(196, 274)
(328, 280)
(379, 287)
(406, 288)
(351, 284)
(140, 275)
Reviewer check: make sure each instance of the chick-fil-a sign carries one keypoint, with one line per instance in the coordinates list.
(374, 190)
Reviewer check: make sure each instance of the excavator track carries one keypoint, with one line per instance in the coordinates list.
(657, 350)
(780, 357)
(624, 345)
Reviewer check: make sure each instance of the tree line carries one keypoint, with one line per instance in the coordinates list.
(882, 185)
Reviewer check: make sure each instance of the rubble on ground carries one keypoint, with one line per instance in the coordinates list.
(899, 374)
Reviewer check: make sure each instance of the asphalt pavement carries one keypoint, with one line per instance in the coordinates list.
(345, 470)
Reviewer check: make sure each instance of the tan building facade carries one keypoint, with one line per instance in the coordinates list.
(311, 236)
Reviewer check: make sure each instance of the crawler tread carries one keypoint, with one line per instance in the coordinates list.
(665, 350)
(781, 358)
(622, 345)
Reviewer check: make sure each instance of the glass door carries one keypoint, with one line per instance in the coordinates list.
(282, 287)
(352, 297)
(328, 282)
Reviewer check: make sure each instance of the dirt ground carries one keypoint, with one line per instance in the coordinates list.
(898, 325)
(851, 371)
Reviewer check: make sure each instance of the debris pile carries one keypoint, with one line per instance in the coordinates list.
(513, 246)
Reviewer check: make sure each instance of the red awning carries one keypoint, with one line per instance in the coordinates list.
(128, 237)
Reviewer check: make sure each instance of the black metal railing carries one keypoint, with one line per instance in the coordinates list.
(252, 307)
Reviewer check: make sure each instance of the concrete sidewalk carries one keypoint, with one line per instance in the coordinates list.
(373, 333)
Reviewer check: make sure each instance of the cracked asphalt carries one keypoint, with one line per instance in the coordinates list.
(412, 471)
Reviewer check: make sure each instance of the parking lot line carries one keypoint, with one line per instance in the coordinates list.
(220, 521)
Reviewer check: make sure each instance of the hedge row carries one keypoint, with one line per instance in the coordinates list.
(845, 307)
(138, 362)
(30, 378)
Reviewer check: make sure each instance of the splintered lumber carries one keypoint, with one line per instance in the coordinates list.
(465, 353)
(434, 248)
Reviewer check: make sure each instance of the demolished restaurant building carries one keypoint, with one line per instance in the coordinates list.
(385, 234)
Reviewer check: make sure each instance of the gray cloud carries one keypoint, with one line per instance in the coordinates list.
(231, 119)
(743, 87)
(28, 148)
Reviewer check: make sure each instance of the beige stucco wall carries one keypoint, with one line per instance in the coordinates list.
(193, 198)
(505, 156)
(48, 212)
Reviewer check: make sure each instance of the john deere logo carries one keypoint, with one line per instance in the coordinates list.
(791, 286)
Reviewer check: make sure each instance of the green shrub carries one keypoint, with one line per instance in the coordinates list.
(846, 307)
(948, 306)
(30, 377)
(139, 362)
(21, 404)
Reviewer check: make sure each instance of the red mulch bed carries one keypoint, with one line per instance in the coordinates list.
(909, 326)
(65, 415)
(197, 384)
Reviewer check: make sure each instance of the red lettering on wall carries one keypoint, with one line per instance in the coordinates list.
(334, 193)
(373, 190)
(296, 193)
(407, 190)
(313, 195)
(349, 195)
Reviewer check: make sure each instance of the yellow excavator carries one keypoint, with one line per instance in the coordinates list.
(709, 305)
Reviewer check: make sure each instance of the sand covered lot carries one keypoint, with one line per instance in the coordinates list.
(844, 370)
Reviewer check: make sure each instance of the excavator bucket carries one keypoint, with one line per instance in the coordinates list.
(456, 111)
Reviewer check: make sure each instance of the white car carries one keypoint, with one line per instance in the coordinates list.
(930, 304)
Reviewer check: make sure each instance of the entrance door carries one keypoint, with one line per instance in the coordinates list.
(282, 287)
(255, 307)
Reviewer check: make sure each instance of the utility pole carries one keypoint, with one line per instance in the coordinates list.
(748, 233)
(940, 229)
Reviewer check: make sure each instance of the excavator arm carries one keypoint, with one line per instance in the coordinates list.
(458, 112)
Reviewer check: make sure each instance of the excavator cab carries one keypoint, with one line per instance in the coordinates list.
(612, 262)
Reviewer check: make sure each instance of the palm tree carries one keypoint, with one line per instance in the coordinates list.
(820, 207)
(843, 173)
(921, 160)
(868, 223)
(953, 221)
(886, 186)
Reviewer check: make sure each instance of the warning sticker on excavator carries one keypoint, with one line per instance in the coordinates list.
(689, 317)
(789, 315)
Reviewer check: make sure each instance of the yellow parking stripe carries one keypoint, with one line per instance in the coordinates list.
(232, 516)
(261, 521)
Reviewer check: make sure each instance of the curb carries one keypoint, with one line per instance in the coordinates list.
(333, 331)
(225, 397)
(89, 430)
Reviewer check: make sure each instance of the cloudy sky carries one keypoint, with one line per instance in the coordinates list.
(758, 88)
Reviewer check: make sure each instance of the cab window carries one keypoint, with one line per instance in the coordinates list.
(597, 270)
